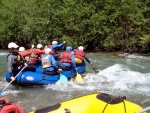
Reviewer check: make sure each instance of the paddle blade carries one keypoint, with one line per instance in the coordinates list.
(79, 78)
(63, 78)
(1, 93)
(96, 71)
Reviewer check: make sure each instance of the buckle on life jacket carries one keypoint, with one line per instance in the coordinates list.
(77, 60)
(3, 103)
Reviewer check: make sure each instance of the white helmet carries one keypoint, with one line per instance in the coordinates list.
(39, 46)
(12, 45)
(21, 49)
(54, 42)
(47, 50)
(80, 48)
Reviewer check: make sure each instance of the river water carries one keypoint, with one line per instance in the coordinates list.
(120, 74)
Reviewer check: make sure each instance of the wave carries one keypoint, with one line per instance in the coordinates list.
(114, 78)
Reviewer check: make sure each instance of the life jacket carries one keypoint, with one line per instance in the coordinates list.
(45, 61)
(33, 55)
(9, 107)
(79, 54)
(65, 57)
(19, 60)
(53, 51)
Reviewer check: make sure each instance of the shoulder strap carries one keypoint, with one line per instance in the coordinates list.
(4, 103)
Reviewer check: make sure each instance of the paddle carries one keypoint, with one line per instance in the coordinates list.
(12, 80)
(96, 71)
(79, 78)
(63, 48)
(63, 78)
(143, 110)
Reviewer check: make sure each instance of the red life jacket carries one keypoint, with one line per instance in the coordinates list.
(33, 55)
(65, 57)
(9, 107)
(53, 51)
(79, 54)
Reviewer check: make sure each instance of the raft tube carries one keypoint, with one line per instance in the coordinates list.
(9, 107)
(38, 78)
(93, 103)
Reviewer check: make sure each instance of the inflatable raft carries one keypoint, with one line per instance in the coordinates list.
(9, 107)
(93, 103)
(38, 78)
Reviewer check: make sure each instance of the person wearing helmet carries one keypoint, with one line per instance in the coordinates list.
(79, 56)
(15, 62)
(49, 65)
(54, 47)
(67, 61)
(25, 53)
(35, 56)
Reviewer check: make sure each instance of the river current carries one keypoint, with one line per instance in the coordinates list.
(120, 74)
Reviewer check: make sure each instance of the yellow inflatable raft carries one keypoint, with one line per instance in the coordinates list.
(93, 103)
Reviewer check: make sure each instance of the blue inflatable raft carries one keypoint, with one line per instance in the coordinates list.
(38, 78)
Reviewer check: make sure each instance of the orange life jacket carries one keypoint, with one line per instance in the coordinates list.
(9, 107)
(79, 54)
(65, 57)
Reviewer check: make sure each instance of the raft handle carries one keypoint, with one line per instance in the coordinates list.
(67, 110)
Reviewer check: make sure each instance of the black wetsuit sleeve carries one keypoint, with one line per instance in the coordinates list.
(87, 59)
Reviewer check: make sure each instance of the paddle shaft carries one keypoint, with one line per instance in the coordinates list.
(63, 48)
(143, 110)
(15, 77)
(94, 69)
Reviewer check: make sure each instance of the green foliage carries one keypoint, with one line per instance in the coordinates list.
(109, 25)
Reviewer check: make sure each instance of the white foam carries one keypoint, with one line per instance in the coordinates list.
(136, 56)
(3, 53)
(68, 86)
(11, 92)
(131, 62)
(126, 80)
(116, 78)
